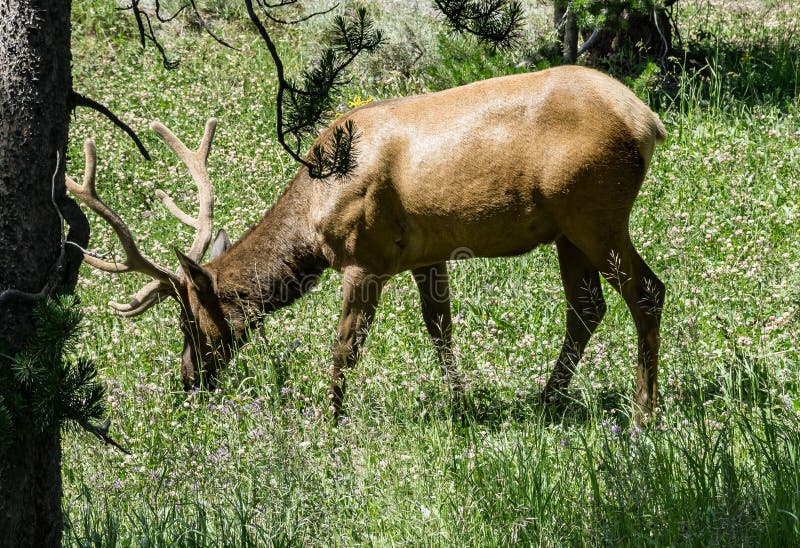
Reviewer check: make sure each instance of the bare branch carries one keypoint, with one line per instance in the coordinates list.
(146, 32)
(78, 100)
(169, 65)
(207, 28)
(168, 18)
(100, 431)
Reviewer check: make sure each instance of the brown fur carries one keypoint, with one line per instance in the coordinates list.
(496, 167)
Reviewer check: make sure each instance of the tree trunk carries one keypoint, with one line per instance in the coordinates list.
(566, 30)
(35, 81)
(570, 53)
(559, 11)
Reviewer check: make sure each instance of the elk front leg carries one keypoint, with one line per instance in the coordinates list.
(585, 309)
(434, 291)
(361, 294)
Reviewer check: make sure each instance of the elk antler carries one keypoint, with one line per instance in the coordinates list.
(196, 163)
(164, 281)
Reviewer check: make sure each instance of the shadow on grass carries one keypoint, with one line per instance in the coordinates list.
(493, 408)
(746, 379)
(759, 69)
(723, 72)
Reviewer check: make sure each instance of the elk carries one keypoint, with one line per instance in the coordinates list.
(497, 167)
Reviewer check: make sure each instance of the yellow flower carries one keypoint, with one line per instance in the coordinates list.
(357, 101)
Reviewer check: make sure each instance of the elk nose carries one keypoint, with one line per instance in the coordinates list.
(188, 371)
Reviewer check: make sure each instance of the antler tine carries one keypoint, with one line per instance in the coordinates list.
(208, 136)
(89, 166)
(149, 295)
(196, 163)
(173, 208)
(134, 260)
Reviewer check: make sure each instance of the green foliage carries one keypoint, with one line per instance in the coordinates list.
(461, 63)
(646, 82)
(44, 381)
(590, 13)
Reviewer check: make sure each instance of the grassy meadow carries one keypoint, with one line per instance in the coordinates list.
(258, 462)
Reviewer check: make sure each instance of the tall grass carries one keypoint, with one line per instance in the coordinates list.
(258, 462)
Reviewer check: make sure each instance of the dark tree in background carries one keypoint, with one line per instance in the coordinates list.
(634, 27)
(638, 28)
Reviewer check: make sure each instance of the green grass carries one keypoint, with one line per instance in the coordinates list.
(259, 463)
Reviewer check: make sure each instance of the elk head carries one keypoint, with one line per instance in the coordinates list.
(208, 338)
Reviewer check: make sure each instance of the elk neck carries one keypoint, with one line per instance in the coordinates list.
(275, 262)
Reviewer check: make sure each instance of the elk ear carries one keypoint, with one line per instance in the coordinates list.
(221, 244)
(199, 277)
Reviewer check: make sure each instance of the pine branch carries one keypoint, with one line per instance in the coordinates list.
(496, 22)
(45, 384)
(300, 107)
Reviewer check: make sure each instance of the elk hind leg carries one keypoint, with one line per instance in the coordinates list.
(644, 295)
(643, 292)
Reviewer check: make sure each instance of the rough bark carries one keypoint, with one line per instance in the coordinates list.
(570, 52)
(559, 11)
(35, 81)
